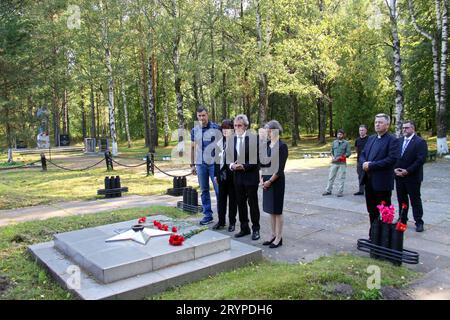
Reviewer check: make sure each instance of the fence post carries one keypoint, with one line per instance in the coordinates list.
(43, 162)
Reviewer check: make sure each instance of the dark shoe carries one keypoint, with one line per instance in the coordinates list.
(255, 235)
(339, 195)
(231, 228)
(419, 228)
(242, 233)
(218, 226)
(326, 193)
(358, 193)
(266, 243)
(206, 221)
(273, 245)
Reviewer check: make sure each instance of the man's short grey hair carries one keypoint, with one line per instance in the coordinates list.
(274, 124)
(243, 118)
(385, 116)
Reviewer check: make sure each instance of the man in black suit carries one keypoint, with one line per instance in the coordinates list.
(245, 166)
(409, 171)
(359, 146)
(378, 159)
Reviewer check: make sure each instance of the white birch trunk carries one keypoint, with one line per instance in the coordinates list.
(176, 68)
(441, 121)
(125, 112)
(439, 72)
(262, 76)
(112, 120)
(151, 106)
(166, 116)
(398, 76)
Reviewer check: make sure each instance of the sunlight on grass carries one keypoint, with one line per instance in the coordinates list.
(20, 188)
(270, 280)
(27, 280)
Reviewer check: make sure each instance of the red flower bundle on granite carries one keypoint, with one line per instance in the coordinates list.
(176, 240)
(387, 213)
(160, 226)
(142, 220)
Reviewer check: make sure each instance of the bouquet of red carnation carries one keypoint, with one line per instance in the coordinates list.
(403, 219)
(342, 158)
(142, 220)
(176, 240)
(387, 213)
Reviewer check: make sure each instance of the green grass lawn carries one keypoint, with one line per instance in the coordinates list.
(22, 278)
(275, 280)
(29, 187)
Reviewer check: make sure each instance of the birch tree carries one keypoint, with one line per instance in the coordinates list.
(262, 75)
(398, 76)
(106, 44)
(439, 67)
(125, 113)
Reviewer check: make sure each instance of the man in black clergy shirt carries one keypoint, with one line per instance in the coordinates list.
(378, 159)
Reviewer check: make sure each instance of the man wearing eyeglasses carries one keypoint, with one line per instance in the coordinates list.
(245, 166)
(409, 171)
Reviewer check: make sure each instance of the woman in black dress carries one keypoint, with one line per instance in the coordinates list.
(273, 181)
(225, 179)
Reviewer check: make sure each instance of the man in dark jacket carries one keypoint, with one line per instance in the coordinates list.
(246, 176)
(409, 171)
(378, 159)
(359, 146)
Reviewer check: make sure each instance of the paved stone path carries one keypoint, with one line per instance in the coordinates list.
(316, 225)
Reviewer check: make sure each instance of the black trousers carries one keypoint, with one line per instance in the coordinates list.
(360, 171)
(227, 194)
(407, 192)
(248, 194)
(373, 199)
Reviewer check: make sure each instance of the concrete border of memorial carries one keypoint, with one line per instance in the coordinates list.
(92, 266)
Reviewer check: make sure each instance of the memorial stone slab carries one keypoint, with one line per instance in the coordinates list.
(128, 269)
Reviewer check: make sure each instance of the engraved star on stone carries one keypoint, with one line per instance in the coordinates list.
(138, 233)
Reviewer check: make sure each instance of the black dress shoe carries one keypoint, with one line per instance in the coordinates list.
(266, 243)
(255, 235)
(358, 193)
(242, 233)
(273, 245)
(419, 228)
(218, 226)
(231, 228)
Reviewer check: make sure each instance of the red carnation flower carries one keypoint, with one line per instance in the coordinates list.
(383, 203)
(155, 223)
(142, 220)
(401, 226)
(165, 228)
(404, 206)
(176, 240)
(174, 229)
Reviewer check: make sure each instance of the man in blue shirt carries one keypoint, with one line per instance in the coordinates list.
(204, 136)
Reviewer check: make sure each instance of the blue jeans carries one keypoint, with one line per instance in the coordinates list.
(204, 173)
